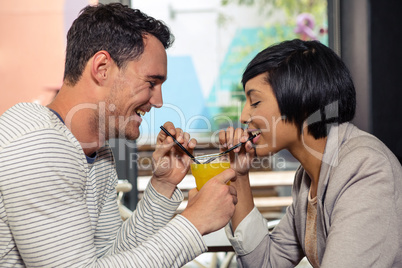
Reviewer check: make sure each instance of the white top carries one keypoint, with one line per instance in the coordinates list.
(57, 210)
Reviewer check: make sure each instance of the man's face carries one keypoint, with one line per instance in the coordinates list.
(136, 89)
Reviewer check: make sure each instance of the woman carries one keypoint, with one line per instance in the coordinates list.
(346, 209)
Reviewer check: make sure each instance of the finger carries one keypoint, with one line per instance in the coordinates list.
(248, 144)
(226, 175)
(229, 136)
(186, 138)
(170, 127)
(236, 139)
(163, 148)
(222, 139)
(238, 133)
(244, 136)
(162, 136)
(232, 190)
(162, 151)
(187, 159)
(249, 147)
(191, 145)
(186, 144)
(235, 200)
(179, 135)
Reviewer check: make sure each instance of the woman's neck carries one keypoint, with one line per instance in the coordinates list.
(309, 152)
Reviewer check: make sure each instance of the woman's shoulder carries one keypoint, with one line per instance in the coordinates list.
(365, 145)
(361, 153)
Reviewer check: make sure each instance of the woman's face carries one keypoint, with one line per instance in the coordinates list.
(262, 115)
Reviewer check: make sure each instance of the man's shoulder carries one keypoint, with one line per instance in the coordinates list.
(25, 118)
(25, 111)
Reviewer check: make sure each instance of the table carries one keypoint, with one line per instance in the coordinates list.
(257, 180)
(217, 241)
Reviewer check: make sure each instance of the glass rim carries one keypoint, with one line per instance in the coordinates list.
(209, 156)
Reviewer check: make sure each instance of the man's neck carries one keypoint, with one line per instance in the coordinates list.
(79, 118)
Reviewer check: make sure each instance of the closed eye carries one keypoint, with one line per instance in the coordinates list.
(255, 104)
(151, 84)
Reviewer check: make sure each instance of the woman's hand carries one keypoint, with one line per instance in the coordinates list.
(170, 163)
(240, 161)
(241, 157)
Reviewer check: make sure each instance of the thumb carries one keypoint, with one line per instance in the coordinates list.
(226, 175)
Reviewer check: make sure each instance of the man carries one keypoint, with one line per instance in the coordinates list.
(57, 177)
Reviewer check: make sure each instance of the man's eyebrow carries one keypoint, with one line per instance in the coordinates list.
(157, 77)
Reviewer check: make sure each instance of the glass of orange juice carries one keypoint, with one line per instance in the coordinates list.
(204, 172)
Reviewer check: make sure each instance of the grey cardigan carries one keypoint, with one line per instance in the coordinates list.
(359, 210)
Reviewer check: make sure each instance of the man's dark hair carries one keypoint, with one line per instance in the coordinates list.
(310, 82)
(115, 28)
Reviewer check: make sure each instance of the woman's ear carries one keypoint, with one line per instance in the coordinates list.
(101, 66)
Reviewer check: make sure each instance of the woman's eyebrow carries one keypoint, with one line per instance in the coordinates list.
(248, 93)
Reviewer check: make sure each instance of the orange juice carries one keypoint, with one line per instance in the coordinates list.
(204, 172)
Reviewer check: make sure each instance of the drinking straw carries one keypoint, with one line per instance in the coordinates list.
(181, 146)
(229, 150)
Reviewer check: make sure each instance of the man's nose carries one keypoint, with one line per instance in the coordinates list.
(156, 99)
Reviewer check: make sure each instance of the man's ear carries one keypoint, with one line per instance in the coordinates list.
(101, 66)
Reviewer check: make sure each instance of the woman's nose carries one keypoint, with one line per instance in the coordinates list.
(245, 116)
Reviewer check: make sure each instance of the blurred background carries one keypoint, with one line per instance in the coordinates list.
(214, 41)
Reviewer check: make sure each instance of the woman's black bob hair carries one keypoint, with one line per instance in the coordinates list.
(312, 85)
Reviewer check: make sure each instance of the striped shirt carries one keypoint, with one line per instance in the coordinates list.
(57, 210)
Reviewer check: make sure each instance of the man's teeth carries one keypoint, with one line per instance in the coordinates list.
(142, 113)
(255, 133)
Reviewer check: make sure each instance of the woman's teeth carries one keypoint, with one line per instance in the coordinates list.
(255, 133)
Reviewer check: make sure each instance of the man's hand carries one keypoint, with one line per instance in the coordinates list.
(211, 208)
(170, 163)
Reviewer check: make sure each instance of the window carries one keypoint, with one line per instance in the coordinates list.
(214, 41)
